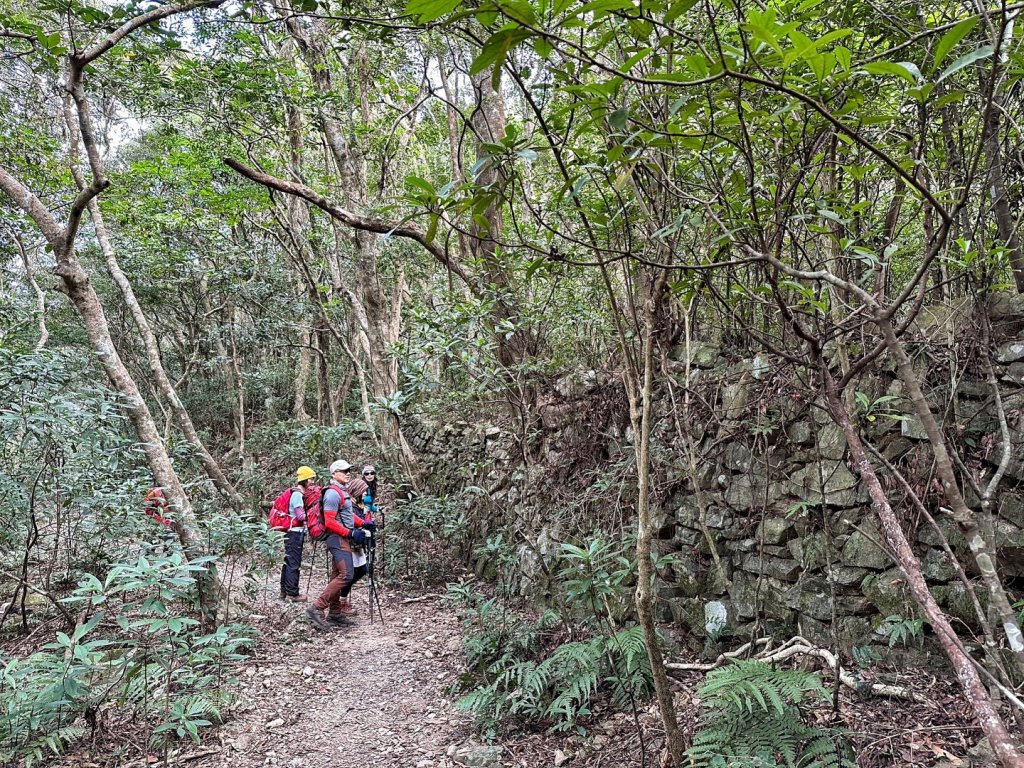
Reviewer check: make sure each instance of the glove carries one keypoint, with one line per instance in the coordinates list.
(369, 525)
(357, 536)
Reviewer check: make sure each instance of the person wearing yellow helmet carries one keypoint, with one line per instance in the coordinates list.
(289, 515)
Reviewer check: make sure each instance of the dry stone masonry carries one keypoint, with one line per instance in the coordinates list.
(789, 521)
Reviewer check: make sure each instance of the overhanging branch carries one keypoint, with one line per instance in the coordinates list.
(354, 220)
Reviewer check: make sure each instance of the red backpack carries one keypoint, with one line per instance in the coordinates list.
(315, 526)
(279, 518)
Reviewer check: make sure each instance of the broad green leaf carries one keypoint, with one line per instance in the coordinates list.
(966, 60)
(904, 69)
(542, 47)
(430, 10)
(520, 10)
(677, 9)
(619, 119)
(496, 49)
(950, 40)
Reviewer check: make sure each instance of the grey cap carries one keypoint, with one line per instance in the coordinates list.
(340, 466)
(369, 468)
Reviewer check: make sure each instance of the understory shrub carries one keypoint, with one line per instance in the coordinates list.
(516, 671)
(134, 655)
(753, 718)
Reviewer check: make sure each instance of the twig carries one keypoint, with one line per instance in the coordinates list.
(176, 760)
(798, 646)
(420, 599)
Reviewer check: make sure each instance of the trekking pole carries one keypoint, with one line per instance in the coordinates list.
(374, 595)
(312, 565)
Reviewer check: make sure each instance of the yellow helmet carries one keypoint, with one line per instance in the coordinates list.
(304, 473)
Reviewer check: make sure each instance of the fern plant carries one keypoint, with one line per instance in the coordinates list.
(558, 690)
(752, 719)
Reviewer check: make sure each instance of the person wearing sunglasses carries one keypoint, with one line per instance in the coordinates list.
(370, 478)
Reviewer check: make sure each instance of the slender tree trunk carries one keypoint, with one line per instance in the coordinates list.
(966, 519)
(302, 376)
(641, 413)
(30, 275)
(149, 342)
(977, 695)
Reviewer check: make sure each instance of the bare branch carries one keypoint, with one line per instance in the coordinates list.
(354, 220)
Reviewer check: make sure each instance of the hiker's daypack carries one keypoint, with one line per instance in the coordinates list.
(280, 519)
(315, 526)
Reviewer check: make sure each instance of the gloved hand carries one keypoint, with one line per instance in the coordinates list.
(369, 525)
(358, 536)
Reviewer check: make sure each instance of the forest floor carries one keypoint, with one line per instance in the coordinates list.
(379, 695)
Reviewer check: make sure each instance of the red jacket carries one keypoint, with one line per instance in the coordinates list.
(155, 506)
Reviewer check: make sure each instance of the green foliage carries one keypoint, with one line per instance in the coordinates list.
(136, 649)
(752, 718)
(512, 677)
(898, 629)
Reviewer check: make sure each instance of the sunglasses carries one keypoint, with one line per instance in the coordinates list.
(369, 474)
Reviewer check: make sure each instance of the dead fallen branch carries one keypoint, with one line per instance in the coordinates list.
(173, 758)
(798, 646)
(420, 599)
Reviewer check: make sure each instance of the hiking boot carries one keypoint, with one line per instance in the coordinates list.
(300, 598)
(347, 609)
(316, 619)
(339, 620)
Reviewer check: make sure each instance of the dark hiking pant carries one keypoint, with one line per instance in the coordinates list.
(341, 576)
(359, 572)
(293, 541)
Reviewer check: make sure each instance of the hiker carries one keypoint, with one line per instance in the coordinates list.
(154, 504)
(358, 492)
(370, 478)
(343, 533)
(289, 515)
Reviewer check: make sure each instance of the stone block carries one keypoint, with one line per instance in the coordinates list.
(811, 597)
(888, 593)
(737, 457)
(752, 491)
(800, 433)
(841, 488)
(1010, 352)
(774, 567)
(846, 575)
(702, 355)
(937, 566)
(926, 533)
(912, 428)
(861, 551)
(775, 530)
(831, 442)
(1011, 508)
(734, 399)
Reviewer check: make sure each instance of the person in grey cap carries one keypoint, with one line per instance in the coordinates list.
(342, 534)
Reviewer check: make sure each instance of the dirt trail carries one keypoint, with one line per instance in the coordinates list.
(370, 695)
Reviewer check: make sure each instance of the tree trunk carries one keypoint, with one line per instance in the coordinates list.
(977, 695)
(966, 519)
(641, 413)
